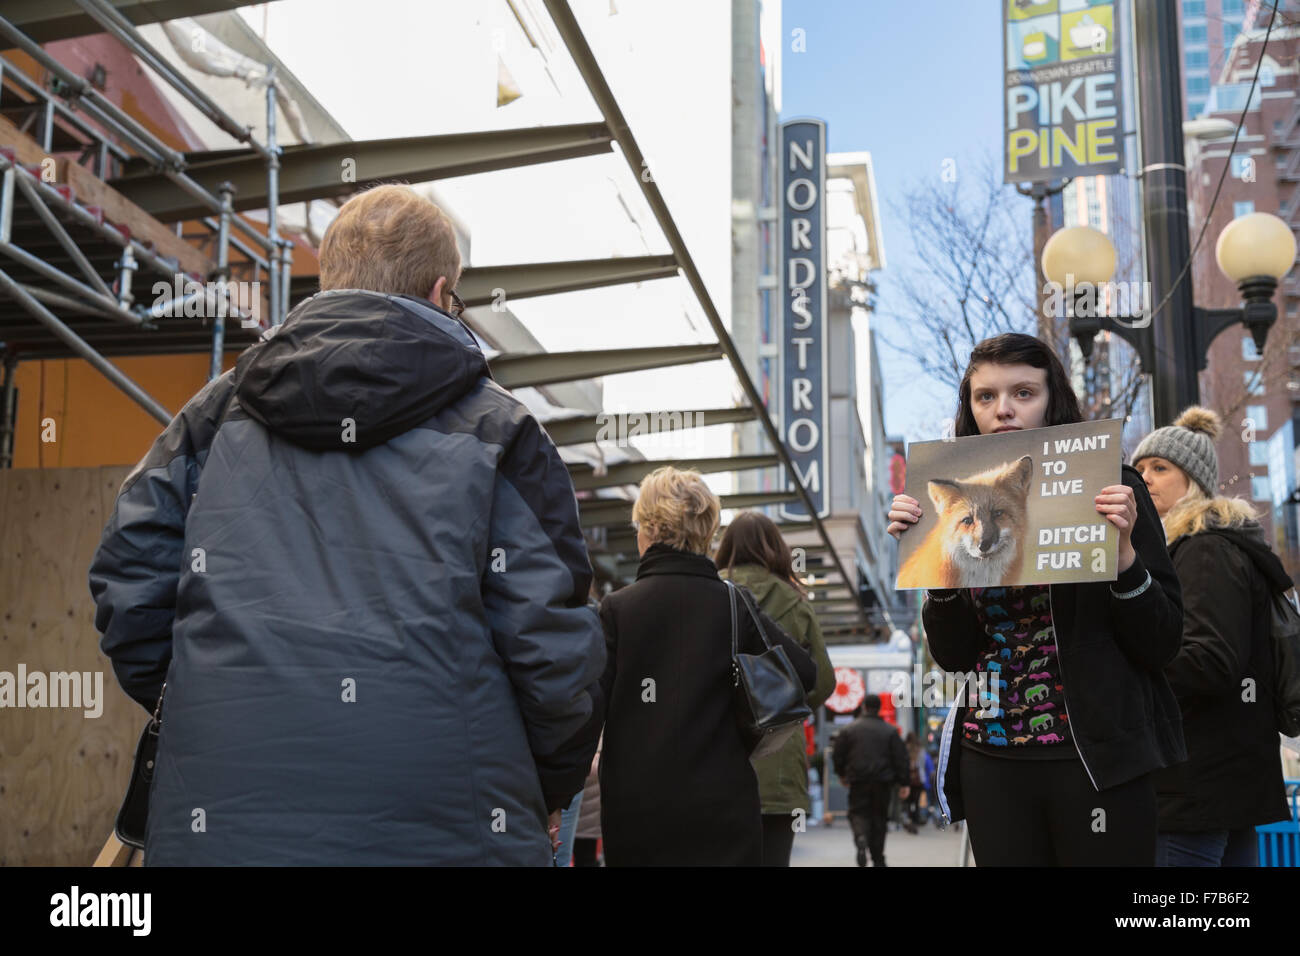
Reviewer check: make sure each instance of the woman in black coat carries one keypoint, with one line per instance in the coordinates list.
(676, 784)
(1223, 675)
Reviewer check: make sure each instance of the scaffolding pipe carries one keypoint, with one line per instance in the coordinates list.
(126, 266)
(61, 234)
(286, 279)
(227, 191)
(84, 218)
(7, 411)
(91, 97)
(567, 25)
(112, 21)
(67, 302)
(47, 127)
(254, 257)
(110, 306)
(79, 346)
(172, 308)
(273, 199)
(67, 115)
(167, 160)
(248, 251)
(6, 203)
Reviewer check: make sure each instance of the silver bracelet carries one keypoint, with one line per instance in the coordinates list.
(1135, 592)
(940, 600)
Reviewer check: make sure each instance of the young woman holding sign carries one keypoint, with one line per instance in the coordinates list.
(1058, 771)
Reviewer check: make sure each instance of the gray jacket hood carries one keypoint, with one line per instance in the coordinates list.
(385, 362)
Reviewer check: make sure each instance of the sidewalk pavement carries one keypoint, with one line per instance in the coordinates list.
(833, 846)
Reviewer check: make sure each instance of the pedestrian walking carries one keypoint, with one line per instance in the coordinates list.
(871, 761)
(676, 784)
(752, 553)
(587, 838)
(1036, 799)
(920, 769)
(356, 563)
(1223, 675)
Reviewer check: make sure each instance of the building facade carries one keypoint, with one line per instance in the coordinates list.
(1257, 395)
(855, 476)
(1208, 29)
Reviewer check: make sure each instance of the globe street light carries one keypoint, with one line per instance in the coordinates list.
(1254, 251)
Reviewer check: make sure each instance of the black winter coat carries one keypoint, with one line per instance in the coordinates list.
(1233, 776)
(676, 785)
(1123, 717)
(869, 750)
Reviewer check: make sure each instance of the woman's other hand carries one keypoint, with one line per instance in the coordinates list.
(1119, 506)
(903, 513)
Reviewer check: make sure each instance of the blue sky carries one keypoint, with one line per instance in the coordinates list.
(913, 84)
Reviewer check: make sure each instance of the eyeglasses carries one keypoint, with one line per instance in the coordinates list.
(457, 304)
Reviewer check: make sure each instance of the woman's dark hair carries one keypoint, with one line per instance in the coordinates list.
(753, 538)
(1015, 348)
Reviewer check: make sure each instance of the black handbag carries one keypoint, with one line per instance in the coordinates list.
(767, 694)
(133, 815)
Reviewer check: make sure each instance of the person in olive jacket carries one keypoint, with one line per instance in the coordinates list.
(676, 784)
(1224, 675)
(753, 553)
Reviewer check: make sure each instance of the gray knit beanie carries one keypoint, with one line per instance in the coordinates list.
(1189, 444)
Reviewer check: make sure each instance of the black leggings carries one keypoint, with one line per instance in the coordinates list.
(778, 838)
(584, 852)
(1027, 812)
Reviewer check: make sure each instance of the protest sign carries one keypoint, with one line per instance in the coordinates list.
(1012, 509)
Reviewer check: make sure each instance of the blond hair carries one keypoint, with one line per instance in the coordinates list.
(389, 239)
(677, 509)
(1195, 511)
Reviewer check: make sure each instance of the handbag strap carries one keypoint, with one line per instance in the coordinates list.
(156, 720)
(735, 625)
(753, 614)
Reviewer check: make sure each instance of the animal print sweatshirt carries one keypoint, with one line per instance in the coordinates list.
(1028, 717)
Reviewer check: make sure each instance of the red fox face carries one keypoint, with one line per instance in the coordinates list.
(979, 513)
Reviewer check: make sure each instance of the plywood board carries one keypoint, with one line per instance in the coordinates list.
(62, 774)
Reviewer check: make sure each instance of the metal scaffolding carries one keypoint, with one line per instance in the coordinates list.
(95, 251)
(85, 273)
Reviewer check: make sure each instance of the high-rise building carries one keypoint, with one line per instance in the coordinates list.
(854, 478)
(1208, 30)
(1259, 396)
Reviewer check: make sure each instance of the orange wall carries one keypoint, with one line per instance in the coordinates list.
(94, 422)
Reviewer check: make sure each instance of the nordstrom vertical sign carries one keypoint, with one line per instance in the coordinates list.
(804, 392)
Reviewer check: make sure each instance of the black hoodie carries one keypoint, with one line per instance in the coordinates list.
(385, 362)
(1224, 681)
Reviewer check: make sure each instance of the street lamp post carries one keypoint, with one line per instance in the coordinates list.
(1172, 359)
(1040, 193)
(1254, 251)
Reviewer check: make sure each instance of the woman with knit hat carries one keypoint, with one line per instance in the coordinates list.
(1223, 674)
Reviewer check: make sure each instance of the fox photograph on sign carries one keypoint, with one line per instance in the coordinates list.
(1012, 509)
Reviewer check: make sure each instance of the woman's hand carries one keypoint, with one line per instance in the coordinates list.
(1119, 506)
(903, 513)
(553, 827)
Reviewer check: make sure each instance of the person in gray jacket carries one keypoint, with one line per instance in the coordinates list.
(355, 560)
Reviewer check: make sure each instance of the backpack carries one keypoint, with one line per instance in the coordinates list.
(1286, 662)
(1284, 631)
